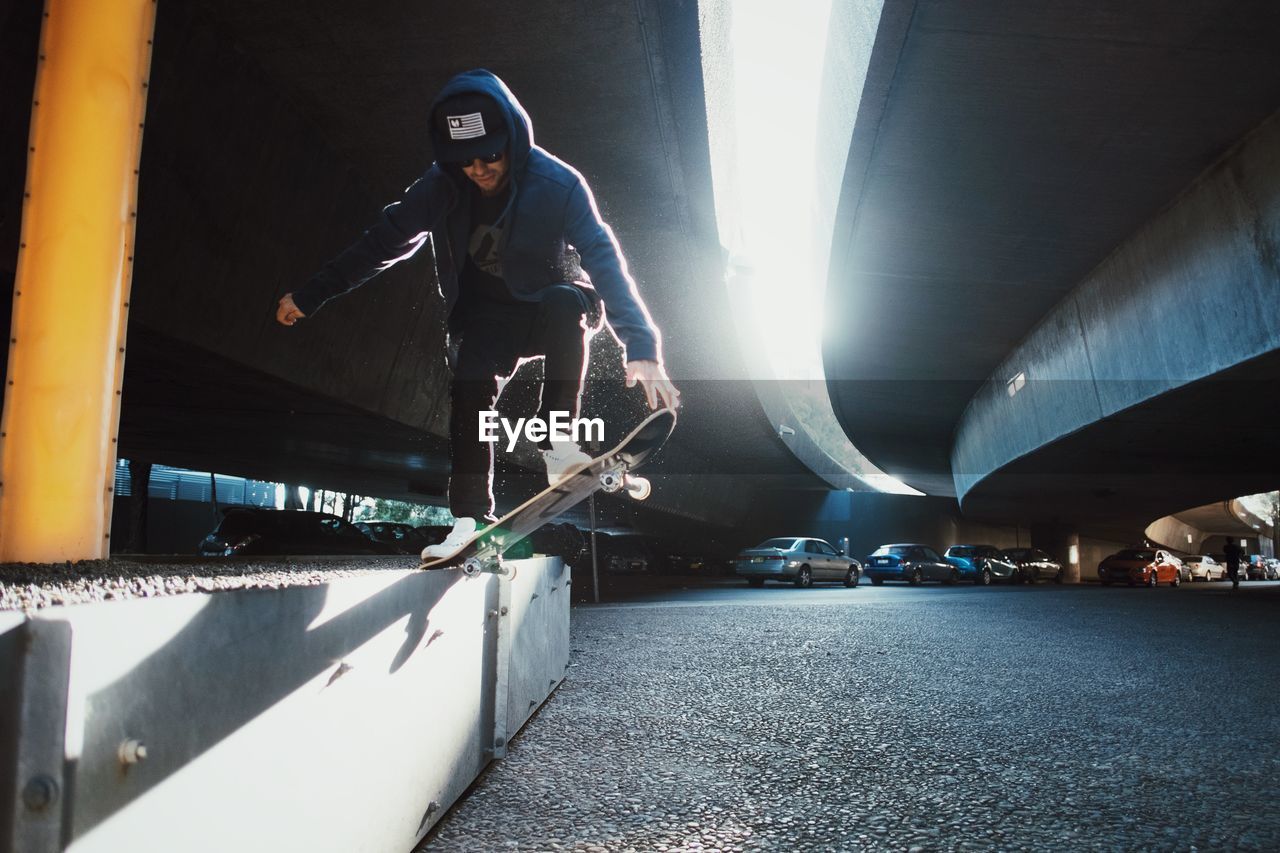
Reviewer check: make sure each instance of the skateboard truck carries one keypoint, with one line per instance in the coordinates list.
(489, 559)
(473, 566)
(617, 478)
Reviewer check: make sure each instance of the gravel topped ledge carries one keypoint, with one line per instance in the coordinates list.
(29, 587)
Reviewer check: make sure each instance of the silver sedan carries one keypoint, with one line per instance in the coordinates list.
(797, 559)
(1202, 567)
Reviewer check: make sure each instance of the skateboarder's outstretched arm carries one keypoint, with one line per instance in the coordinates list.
(656, 384)
(398, 234)
(624, 309)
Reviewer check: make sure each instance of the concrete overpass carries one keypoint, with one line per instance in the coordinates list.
(1082, 195)
(1025, 193)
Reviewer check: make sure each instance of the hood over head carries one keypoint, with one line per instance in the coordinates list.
(476, 115)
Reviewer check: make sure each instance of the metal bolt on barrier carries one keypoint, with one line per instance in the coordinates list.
(504, 611)
(132, 751)
(39, 793)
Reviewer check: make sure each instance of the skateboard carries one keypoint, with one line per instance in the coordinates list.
(609, 472)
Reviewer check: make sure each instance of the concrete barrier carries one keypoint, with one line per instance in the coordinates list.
(347, 716)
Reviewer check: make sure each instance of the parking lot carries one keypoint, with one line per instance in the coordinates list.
(715, 716)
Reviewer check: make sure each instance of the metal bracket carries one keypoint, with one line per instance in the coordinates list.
(502, 671)
(31, 820)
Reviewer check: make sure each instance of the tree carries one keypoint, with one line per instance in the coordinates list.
(383, 509)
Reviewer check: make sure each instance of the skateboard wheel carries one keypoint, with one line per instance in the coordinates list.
(639, 488)
(471, 567)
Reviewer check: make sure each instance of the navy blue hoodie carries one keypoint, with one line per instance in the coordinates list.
(551, 210)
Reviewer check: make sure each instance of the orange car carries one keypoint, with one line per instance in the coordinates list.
(1149, 566)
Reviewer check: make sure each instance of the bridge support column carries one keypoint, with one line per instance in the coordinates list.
(71, 295)
(1062, 543)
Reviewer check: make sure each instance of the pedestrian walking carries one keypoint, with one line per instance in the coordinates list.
(1233, 553)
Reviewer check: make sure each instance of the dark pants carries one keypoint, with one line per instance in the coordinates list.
(494, 338)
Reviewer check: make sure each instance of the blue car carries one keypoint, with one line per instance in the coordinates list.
(982, 564)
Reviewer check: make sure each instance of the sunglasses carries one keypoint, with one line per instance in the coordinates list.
(490, 158)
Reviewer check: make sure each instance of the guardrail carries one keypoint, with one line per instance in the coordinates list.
(345, 716)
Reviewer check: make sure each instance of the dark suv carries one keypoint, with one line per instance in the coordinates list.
(250, 530)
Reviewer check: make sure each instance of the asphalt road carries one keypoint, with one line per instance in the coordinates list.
(933, 718)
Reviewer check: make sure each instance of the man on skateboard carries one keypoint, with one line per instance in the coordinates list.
(524, 262)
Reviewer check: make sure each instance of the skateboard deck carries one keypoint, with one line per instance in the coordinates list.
(610, 472)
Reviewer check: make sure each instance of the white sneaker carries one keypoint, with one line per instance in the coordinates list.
(463, 529)
(563, 459)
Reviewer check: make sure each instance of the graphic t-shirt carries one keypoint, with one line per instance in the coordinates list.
(482, 273)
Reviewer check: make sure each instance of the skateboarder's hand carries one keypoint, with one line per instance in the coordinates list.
(287, 313)
(653, 378)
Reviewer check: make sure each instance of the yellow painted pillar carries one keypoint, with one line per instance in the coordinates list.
(71, 296)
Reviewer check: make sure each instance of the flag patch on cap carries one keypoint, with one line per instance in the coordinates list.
(468, 126)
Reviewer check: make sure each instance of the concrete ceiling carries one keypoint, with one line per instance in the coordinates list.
(614, 88)
(1003, 149)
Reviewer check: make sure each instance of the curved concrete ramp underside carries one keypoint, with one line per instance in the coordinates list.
(1001, 153)
(1224, 518)
(1148, 389)
(1198, 529)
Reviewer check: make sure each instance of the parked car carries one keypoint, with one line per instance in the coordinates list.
(626, 554)
(679, 562)
(1150, 566)
(981, 564)
(909, 562)
(1032, 565)
(1256, 568)
(563, 540)
(399, 536)
(251, 530)
(797, 559)
(1184, 571)
(1202, 567)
